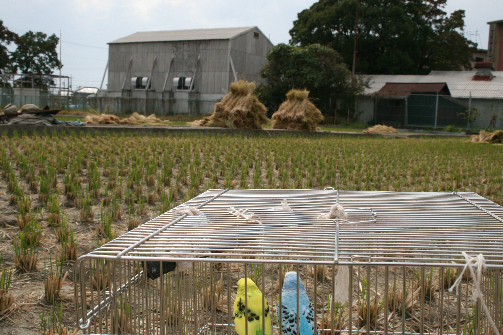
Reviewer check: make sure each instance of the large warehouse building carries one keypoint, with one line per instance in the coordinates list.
(181, 71)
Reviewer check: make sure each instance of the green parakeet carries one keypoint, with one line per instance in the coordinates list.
(252, 319)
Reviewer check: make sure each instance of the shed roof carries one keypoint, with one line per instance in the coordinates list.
(460, 83)
(404, 89)
(183, 35)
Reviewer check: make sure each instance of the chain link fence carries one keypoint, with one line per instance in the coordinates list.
(168, 106)
(39, 99)
(121, 105)
(430, 111)
(42, 99)
(412, 111)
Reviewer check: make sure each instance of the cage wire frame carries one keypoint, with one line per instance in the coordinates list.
(397, 252)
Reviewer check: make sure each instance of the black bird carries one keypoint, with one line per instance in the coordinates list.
(154, 268)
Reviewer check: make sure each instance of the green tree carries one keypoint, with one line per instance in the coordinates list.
(470, 115)
(316, 68)
(6, 38)
(394, 36)
(35, 54)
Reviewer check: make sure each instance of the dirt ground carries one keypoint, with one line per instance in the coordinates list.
(24, 317)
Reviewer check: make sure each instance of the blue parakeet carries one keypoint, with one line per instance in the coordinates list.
(289, 308)
(255, 314)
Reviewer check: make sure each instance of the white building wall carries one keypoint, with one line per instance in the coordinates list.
(365, 108)
(487, 108)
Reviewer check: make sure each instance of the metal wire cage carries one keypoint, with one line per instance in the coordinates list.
(385, 267)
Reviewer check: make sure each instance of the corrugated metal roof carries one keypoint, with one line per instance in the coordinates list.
(183, 35)
(404, 89)
(460, 83)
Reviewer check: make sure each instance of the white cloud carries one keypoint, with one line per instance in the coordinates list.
(97, 22)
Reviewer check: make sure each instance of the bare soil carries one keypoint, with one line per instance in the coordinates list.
(24, 317)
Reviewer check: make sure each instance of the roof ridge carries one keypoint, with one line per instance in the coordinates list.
(184, 35)
(193, 29)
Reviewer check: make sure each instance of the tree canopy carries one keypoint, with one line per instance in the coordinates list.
(6, 38)
(393, 36)
(36, 54)
(316, 68)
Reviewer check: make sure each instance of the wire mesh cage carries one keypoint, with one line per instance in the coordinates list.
(315, 262)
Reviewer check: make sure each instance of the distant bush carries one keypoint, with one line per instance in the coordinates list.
(452, 129)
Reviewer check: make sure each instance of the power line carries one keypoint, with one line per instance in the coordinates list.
(69, 68)
(84, 45)
(69, 54)
(15, 28)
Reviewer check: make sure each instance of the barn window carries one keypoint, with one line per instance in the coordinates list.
(183, 83)
(140, 83)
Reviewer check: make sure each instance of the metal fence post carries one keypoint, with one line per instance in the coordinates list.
(436, 112)
(406, 111)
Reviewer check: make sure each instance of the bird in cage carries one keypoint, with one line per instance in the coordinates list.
(153, 268)
(289, 307)
(251, 318)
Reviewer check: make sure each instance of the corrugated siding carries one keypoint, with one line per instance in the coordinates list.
(249, 49)
(212, 67)
(248, 53)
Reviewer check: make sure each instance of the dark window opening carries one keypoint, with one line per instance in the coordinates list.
(140, 83)
(182, 83)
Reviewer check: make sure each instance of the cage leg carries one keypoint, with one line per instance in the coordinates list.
(350, 299)
(229, 309)
(404, 296)
(498, 316)
(423, 294)
(386, 288)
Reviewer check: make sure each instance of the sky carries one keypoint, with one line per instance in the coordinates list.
(87, 26)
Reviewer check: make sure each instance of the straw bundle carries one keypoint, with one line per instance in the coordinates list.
(134, 119)
(297, 112)
(240, 108)
(380, 129)
(204, 122)
(488, 137)
(101, 119)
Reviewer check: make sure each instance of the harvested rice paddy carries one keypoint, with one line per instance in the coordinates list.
(61, 195)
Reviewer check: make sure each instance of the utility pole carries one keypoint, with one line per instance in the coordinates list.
(354, 48)
(356, 36)
(59, 98)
